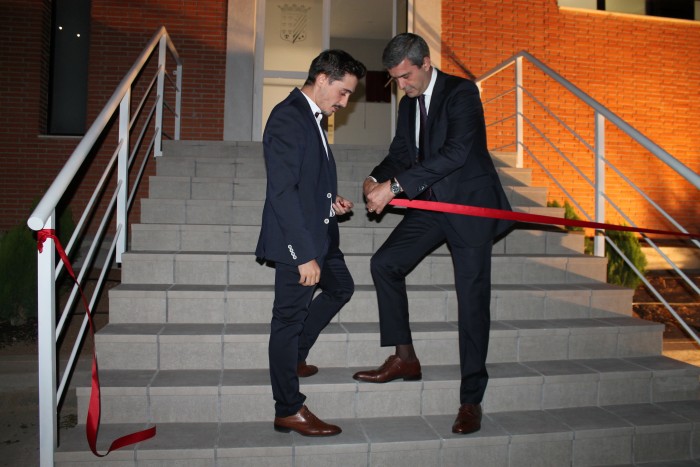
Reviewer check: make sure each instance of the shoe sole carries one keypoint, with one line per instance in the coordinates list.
(284, 429)
(417, 377)
(466, 432)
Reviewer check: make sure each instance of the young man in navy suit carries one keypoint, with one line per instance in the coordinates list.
(439, 153)
(299, 232)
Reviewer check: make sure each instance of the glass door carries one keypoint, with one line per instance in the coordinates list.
(290, 34)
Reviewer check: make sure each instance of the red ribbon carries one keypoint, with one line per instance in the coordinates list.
(92, 425)
(523, 217)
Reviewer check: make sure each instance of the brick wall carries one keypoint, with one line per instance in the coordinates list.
(645, 70)
(29, 159)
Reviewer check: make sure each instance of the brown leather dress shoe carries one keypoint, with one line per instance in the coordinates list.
(393, 368)
(305, 423)
(468, 419)
(304, 370)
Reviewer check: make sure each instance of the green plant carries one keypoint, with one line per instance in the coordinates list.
(619, 272)
(17, 276)
(18, 287)
(569, 213)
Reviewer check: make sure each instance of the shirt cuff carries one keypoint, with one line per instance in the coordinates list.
(371, 178)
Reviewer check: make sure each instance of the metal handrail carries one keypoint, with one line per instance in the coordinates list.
(44, 215)
(645, 142)
(601, 113)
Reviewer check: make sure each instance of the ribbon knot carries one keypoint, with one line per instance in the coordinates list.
(41, 237)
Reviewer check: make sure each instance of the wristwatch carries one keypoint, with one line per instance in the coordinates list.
(395, 187)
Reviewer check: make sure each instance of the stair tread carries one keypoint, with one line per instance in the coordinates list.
(621, 323)
(499, 373)
(375, 435)
(601, 286)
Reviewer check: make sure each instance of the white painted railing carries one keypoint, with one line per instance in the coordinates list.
(597, 150)
(169, 66)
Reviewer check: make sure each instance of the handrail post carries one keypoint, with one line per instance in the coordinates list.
(599, 239)
(519, 112)
(123, 174)
(46, 342)
(178, 100)
(160, 90)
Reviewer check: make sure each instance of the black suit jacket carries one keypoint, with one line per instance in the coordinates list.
(457, 166)
(301, 186)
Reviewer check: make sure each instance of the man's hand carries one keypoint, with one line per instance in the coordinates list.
(378, 195)
(342, 205)
(368, 186)
(309, 273)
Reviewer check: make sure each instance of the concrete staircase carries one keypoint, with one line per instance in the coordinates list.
(575, 380)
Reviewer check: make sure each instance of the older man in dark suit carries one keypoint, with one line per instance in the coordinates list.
(439, 153)
(300, 232)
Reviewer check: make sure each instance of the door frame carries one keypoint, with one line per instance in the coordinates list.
(260, 73)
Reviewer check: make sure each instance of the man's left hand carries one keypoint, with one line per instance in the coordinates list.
(342, 205)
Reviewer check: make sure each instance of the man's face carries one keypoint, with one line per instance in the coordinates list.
(331, 97)
(412, 79)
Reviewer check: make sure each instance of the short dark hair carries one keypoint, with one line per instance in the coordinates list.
(335, 64)
(406, 45)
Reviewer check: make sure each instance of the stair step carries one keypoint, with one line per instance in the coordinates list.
(221, 268)
(217, 212)
(221, 181)
(253, 189)
(617, 434)
(161, 303)
(244, 238)
(174, 346)
(504, 158)
(189, 149)
(242, 150)
(170, 396)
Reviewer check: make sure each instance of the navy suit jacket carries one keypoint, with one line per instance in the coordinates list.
(457, 165)
(301, 186)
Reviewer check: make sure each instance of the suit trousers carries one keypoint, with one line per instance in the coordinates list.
(419, 233)
(297, 320)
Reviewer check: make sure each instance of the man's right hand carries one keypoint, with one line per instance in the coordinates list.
(309, 273)
(368, 186)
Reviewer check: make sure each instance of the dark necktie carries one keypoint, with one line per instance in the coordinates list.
(423, 142)
(422, 133)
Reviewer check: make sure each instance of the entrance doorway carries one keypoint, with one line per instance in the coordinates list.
(292, 33)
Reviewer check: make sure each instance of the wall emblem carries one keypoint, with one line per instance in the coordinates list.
(294, 21)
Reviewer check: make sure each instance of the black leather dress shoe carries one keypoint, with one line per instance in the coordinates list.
(468, 419)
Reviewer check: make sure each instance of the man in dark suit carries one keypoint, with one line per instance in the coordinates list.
(439, 153)
(299, 232)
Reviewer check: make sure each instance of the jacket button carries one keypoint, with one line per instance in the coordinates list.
(328, 195)
(325, 221)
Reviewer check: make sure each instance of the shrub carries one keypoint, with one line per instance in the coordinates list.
(18, 288)
(569, 213)
(17, 276)
(619, 271)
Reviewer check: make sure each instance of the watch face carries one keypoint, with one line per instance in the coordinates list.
(395, 188)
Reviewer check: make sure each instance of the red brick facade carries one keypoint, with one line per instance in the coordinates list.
(645, 70)
(30, 160)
